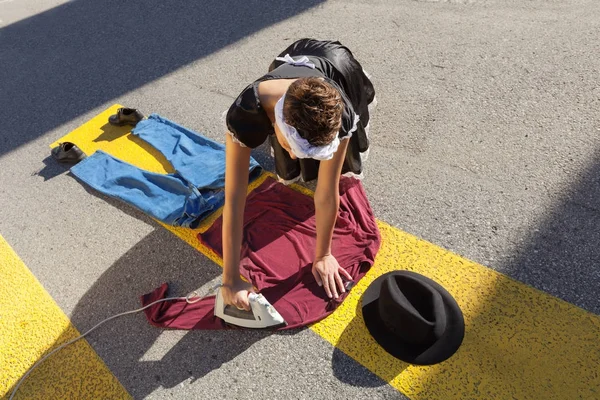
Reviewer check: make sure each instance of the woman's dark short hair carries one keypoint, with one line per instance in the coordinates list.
(314, 108)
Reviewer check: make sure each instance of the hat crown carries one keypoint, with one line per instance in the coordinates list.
(412, 309)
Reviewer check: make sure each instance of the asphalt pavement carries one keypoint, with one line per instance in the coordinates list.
(485, 141)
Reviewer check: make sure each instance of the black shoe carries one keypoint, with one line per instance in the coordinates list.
(126, 116)
(68, 152)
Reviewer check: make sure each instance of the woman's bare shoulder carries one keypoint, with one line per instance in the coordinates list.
(269, 92)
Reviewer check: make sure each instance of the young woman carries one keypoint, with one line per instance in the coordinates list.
(313, 107)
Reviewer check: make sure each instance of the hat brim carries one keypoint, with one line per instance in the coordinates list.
(434, 353)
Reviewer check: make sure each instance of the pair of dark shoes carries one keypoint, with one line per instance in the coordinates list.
(126, 116)
(68, 152)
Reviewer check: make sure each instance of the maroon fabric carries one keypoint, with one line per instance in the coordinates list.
(278, 248)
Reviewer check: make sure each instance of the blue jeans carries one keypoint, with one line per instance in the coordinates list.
(182, 198)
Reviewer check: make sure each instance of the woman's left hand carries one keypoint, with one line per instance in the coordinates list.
(328, 274)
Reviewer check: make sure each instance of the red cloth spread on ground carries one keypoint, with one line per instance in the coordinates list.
(278, 249)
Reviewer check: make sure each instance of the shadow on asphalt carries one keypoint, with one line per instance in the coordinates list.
(125, 342)
(51, 168)
(128, 345)
(562, 254)
(351, 372)
(63, 62)
(76, 57)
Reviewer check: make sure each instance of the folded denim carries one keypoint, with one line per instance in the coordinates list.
(183, 198)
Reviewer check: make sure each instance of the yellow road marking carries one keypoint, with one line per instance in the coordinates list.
(519, 342)
(31, 324)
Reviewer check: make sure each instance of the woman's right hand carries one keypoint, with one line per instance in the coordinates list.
(236, 293)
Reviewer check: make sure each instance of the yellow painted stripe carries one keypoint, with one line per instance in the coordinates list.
(97, 134)
(32, 324)
(519, 342)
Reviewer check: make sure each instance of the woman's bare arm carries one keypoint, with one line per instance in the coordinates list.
(327, 202)
(237, 164)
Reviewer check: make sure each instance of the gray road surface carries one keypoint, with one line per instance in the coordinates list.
(486, 141)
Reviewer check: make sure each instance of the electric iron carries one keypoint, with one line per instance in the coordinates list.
(262, 313)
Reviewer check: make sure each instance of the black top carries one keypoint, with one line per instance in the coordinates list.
(250, 124)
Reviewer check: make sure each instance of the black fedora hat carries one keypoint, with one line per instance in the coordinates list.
(413, 317)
